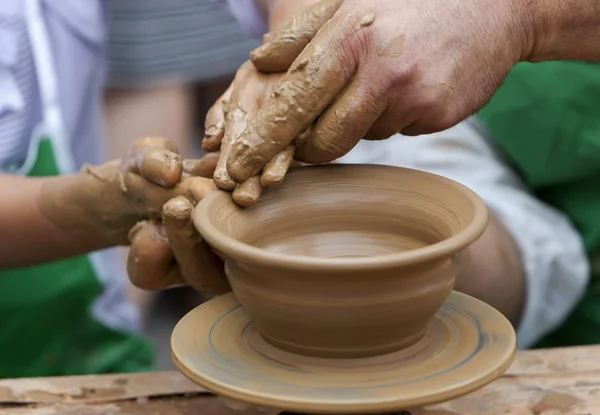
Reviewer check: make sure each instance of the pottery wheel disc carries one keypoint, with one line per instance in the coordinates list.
(467, 345)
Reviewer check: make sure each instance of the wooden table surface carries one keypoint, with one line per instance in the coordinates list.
(552, 381)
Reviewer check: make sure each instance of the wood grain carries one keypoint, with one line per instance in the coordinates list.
(553, 381)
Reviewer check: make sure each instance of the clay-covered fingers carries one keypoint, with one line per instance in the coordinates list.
(343, 124)
(150, 264)
(202, 167)
(276, 169)
(282, 47)
(198, 265)
(248, 193)
(315, 78)
(214, 124)
(243, 103)
(156, 159)
(194, 188)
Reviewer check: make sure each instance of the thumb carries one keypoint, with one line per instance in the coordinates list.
(284, 45)
(199, 265)
(316, 77)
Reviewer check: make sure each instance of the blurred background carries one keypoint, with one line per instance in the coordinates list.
(169, 62)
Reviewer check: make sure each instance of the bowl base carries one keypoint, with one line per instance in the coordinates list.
(265, 343)
(466, 345)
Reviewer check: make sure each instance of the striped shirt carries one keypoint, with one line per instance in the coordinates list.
(76, 32)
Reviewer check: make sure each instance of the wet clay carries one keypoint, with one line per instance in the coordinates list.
(339, 127)
(103, 203)
(276, 169)
(198, 264)
(312, 82)
(150, 259)
(249, 90)
(555, 402)
(367, 20)
(282, 47)
(325, 270)
(466, 345)
(214, 123)
(247, 193)
(204, 167)
(392, 48)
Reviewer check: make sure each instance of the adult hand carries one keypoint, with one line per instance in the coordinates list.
(371, 69)
(226, 120)
(146, 199)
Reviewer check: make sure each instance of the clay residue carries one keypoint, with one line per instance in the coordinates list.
(248, 193)
(101, 204)
(99, 393)
(284, 45)
(367, 20)
(276, 169)
(305, 93)
(391, 48)
(555, 402)
(198, 265)
(204, 167)
(214, 123)
(448, 85)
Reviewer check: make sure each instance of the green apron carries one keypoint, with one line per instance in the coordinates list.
(546, 119)
(48, 327)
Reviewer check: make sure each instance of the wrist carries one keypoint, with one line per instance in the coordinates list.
(76, 204)
(563, 30)
(536, 22)
(526, 12)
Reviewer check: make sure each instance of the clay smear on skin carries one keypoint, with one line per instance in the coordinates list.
(197, 263)
(367, 20)
(391, 48)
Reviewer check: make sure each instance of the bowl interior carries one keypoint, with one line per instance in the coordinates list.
(346, 212)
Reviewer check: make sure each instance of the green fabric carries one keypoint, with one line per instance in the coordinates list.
(45, 317)
(546, 119)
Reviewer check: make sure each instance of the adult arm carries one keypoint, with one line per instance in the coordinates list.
(530, 263)
(377, 68)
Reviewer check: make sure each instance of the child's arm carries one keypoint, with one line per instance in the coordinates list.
(46, 219)
(28, 236)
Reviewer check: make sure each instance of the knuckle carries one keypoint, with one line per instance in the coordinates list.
(355, 41)
(331, 142)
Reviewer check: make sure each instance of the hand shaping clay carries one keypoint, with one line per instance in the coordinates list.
(198, 265)
(344, 261)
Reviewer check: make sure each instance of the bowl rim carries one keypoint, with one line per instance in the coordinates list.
(241, 251)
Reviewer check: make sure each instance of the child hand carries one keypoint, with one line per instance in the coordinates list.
(166, 249)
(101, 204)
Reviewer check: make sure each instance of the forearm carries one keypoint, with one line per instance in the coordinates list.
(492, 270)
(564, 30)
(29, 237)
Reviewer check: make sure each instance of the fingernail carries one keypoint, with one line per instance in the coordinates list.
(134, 231)
(259, 51)
(224, 181)
(173, 170)
(178, 208)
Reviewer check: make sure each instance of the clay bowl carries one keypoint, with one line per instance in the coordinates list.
(344, 261)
